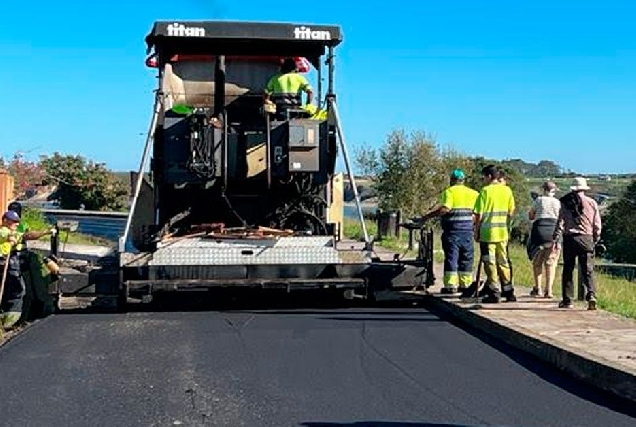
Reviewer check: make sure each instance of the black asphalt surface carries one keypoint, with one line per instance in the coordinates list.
(305, 367)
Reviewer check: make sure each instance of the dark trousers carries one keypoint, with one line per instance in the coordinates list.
(13, 287)
(458, 249)
(581, 247)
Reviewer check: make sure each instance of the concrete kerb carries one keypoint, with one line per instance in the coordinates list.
(583, 367)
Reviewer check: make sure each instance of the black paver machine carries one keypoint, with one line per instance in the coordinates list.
(238, 195)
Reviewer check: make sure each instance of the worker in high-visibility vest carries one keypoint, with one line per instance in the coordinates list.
(10, 237)
(284, 89)
(36, 302)
(456, 211)
(493, 210)
(24, 229)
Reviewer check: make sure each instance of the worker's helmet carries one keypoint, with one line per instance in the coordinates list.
(458, 174)
(11, 216)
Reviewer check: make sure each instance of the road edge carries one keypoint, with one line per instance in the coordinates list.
(601, 375)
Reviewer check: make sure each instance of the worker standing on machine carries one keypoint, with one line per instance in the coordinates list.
(493, 211)
(456, 210)
(284, 90)
(12, 283)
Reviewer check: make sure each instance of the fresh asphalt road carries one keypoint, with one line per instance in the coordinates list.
(294, 367)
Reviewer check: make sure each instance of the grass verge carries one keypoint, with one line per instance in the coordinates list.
(615, 294)
(37, 221)
(352, 229)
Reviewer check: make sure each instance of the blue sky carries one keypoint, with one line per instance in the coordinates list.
(533, 80)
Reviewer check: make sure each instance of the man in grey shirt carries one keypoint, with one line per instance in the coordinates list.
(580, 225)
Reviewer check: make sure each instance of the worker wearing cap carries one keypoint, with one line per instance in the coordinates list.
(37, 302)
(493, 211)
(456, 211)
(10, 237)
(24, 229)
(286, 88)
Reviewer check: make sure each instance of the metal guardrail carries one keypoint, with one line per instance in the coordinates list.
(106, 225)
(85, 213)
(625, 271)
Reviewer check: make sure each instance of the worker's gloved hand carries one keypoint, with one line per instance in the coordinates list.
(310, 108)
(269, 106)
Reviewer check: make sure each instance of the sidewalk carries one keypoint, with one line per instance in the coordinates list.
(596, 347)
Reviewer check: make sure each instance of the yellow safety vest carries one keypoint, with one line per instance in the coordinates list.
(494, 204)
(460, 199)
(5, 246)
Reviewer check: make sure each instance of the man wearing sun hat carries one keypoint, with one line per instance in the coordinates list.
(580, 225)
(456, 210)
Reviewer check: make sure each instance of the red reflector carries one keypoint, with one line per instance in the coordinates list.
(151, 61)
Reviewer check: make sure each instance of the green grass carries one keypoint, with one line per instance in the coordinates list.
(615, 294)
(615, 187)
(37, 222)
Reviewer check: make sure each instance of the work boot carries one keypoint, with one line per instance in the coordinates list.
(491, 299)
(469, 292)
(591, 301)
(509, 296)
(484, 292)
(508, 292)
(566, 304)
(450, 290)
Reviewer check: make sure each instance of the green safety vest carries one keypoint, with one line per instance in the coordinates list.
(287, 87)
(5, 246)
(460, 199)
(494, 204)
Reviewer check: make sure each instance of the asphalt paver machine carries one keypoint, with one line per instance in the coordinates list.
(235, 195)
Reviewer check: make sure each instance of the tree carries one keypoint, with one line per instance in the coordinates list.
(522, 166)
(546, 169)
(408, 171)
(619, 228)
(83, 182)
(27, 175)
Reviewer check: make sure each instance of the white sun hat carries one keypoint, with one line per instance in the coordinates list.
(579, 183)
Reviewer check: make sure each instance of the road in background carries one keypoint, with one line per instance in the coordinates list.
(284, 367)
